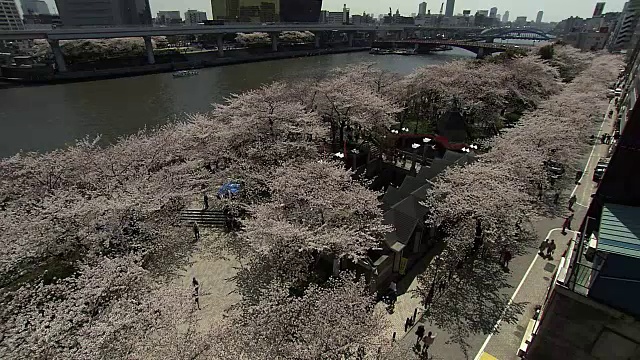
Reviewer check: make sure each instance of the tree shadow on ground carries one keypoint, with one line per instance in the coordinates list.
(419, 267)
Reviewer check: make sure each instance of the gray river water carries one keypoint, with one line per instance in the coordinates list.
(47, 117)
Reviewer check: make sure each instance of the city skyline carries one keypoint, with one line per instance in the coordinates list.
(553, 10)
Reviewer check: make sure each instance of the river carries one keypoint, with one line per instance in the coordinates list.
(43, 118)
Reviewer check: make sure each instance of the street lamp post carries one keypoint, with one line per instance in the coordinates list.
(424, 152)
(415, 147)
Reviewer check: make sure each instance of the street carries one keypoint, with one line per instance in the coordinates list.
(530, 278)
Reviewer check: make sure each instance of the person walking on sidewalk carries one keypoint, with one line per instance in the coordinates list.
(550, 249)
(543, 246)
(567, 224)
(572, 201)
(206, 202)
(428, 341)
(506, 259)
(419, 334)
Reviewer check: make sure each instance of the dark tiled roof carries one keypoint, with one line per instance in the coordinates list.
(452, 156)
(411, 206)
(391, 197)
(404, 224)
(428, 173)
(421, 192)
(410, 184)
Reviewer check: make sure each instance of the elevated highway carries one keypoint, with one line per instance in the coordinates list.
(142, 31)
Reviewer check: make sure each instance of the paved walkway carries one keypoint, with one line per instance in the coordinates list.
(531, 277)
(504, 345)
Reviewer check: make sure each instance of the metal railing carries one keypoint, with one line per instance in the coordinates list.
(584, 274)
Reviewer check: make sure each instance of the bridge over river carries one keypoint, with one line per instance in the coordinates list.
(481, 49)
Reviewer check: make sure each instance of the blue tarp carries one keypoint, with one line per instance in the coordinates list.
(229, 188)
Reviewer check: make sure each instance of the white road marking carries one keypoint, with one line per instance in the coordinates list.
(524, 278)
(515, 293)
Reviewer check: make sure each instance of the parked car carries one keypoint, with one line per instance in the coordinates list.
(618, 92)
(600, 169)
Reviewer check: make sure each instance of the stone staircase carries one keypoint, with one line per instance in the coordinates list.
(204, 218)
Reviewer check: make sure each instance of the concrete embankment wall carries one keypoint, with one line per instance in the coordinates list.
(186, 61)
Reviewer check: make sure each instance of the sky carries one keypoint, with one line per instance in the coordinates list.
(554, 10)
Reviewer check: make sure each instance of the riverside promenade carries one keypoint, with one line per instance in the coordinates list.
(531, 276)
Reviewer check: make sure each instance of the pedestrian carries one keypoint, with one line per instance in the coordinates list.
(428, 341)
(572, 201)
(551, 248)
(567, 223)
(578, 177)
(543, 246)
(206, 202)
(407, 324)
(196, 297)
(556, 198)
(196, 231)
(603, 138)
(507, 258)
(420, 333)
(195, 283)
(608, 139)
(393, 287)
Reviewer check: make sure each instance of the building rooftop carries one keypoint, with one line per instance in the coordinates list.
(620, 230)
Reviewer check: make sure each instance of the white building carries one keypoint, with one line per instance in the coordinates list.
(539, 17)
(9, 16)
(35, 7)
(194, 17)
(335, 17)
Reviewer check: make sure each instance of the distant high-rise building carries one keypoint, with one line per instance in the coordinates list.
(483, 13)
(422, 9)
(35, 7)
(505, 17)
(520, 21)
(9, 16)
(248, 10)
(493, 12)
(466, 13)
(300, 10)
(345, 14)
(451, 4)
(626, 28)
(194, 17)
(104, 12)
(539, 17)
(599, 9)
(168, 17)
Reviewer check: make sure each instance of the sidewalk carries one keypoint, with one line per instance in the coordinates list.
(530, 277)
(536, 282)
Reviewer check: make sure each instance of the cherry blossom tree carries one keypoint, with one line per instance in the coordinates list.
(344, 104)
(252, 38)
(483, 209)
(334, 321)
(316, 209)
(296, 36)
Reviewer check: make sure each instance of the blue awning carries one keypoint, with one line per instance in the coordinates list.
(620, 230)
